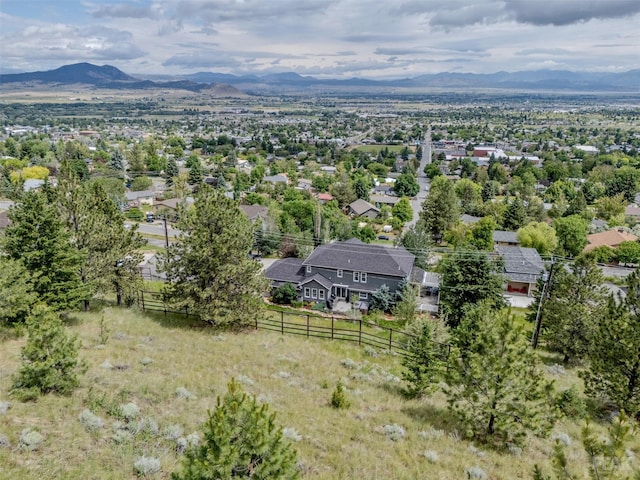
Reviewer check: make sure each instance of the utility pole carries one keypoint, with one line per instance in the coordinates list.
(538, 325)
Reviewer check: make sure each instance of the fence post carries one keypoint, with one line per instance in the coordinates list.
(307, 325)
(282, 322)
(256, 322)
(331, 327)
(360, 333)
(390, 337)
(142, 293)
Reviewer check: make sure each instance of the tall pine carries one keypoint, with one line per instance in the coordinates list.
(614, 370)
(37, 237)
(208, 268)
(495, 386)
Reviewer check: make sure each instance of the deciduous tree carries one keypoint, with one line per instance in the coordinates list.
(440, 209)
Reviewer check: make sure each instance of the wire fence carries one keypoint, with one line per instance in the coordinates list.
(313, 326)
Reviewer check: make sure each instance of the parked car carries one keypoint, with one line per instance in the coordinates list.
(383, 237)
(150, 217)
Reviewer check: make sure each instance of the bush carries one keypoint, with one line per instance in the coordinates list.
(134, 214)
(49, 358)
(285, 294)
(146, 465)
(338, 398)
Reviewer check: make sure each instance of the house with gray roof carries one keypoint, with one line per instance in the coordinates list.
(344, 270)
(362, 208)
(522, 268)
(505, 238)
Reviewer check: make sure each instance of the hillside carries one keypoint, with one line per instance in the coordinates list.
(152, 358)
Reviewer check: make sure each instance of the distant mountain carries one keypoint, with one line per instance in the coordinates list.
(107, 76)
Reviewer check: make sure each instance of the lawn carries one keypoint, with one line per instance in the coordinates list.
(155, 361)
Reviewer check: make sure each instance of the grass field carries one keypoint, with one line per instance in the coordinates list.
(154, 356)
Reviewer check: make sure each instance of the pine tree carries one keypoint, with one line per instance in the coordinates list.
(49, 358)
(515, 215)
(117, 161)
(614, 370)
(208, 268)
(195, 173)
(575, 299)
(241, 440)
(98, 231)
(495, 387)
(467, 280)
(417, 240)
(171, 172)
(16, 292)
(407, 304)
(424, 367)
(440, 209)
(38, 238)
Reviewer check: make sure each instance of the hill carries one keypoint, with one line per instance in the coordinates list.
(105, 76)
(173, 370)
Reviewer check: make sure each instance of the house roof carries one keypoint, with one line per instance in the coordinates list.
(384, 199)
(321, 279)
(358, 256)
(174, 202)
(521, 264)
(361, 207)
(276, 179)
(467, 219)
(140, 194)
(505, 236)
(286, 270)
(325, 196)
(610, 238)
(254, 211)
(4, 220)
(632, 211)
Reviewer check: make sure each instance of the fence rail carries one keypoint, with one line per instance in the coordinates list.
(317, 326)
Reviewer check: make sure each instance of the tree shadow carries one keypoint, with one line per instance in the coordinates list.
(437, 418)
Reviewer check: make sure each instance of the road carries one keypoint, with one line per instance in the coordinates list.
(423, 182)
(155, 228)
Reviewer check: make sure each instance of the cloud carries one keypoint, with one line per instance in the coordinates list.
(211, 59)
(544, 51)
(124, 10)
(553, 12)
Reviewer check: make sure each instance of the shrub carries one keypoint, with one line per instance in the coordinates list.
(146, 465)
(30, 439)
(129, 411)
(285, 294)
(241, 439)
(49, 358)
(134, 214)
(90, 421)
(338, 397)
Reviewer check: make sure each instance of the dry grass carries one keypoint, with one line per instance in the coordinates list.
(295, 375)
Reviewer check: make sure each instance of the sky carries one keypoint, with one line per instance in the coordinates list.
(375, 39)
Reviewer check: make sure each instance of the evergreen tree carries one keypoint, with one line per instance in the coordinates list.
(195, 172)
(97, 228)
(482, 234)
(38, 239)
(467, 280)
(381, 299)
(49, 358)
(241, 440)
(575, 299)
(424, 367)
(361, 187)
(577, 206)
(440, 209)
(495, 387)
(406, 304)
(117, 161)
(614, 370)
(171, 172)
(515, 215)
(16, 292)
(208, 268)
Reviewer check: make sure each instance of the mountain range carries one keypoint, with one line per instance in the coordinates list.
(110, 77)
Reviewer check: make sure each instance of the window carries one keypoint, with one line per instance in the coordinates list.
(339, 273)
(307, 292)
(321, 294)
(308, 268)
(363, 277)
(314, 293)
(363, 295)
(356, 277)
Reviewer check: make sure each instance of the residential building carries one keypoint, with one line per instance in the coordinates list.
(346, 271)
(137, 199)
(522, 268)
(505, 238)
(362, 208)
(610, 238)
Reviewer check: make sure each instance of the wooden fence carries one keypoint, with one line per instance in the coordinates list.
(317, 326)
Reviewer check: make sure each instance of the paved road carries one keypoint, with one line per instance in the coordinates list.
(155, 228)
(423, 182)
